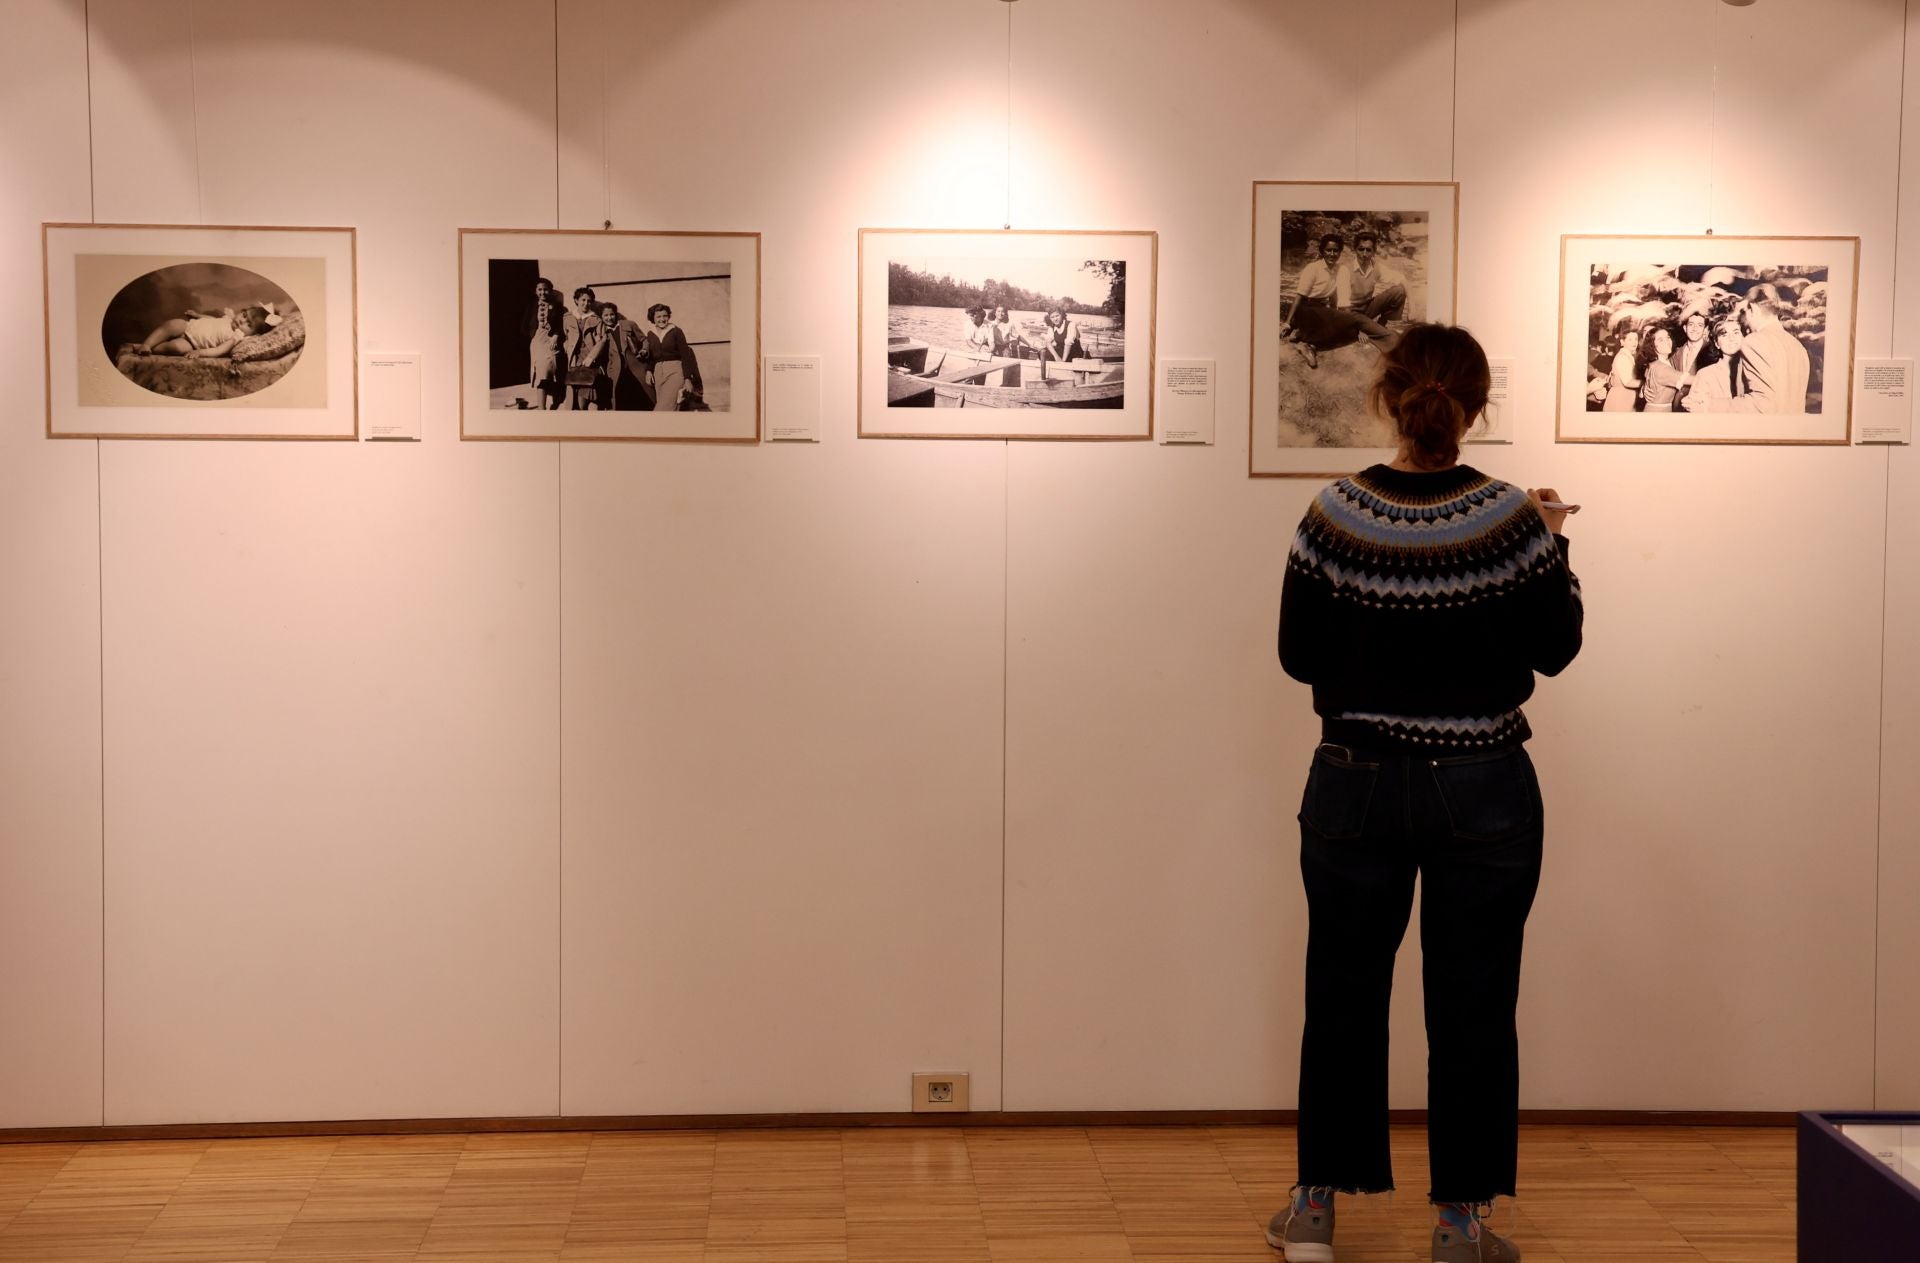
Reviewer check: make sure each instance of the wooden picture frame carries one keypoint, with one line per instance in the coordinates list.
(517, 358)
(200, 331)
(1778, 312)
(1307, 415)
(1073, 360)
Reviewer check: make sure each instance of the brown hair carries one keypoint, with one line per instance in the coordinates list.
(1433, 383)
(1649, 351)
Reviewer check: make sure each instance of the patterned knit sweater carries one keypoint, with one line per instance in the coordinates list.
(1419, 606)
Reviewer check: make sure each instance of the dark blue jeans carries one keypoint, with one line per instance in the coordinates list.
(1470, 827)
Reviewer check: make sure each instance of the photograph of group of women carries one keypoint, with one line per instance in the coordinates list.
(609, 336)
(1707, 338)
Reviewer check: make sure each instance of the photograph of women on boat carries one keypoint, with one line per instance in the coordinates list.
(1719, 348)
(1006, 335)
(952, 323)
(1339, 271)
(613, 337)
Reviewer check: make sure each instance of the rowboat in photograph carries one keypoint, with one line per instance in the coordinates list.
(923, 376)
(907, 353)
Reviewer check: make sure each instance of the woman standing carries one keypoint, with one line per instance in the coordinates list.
(546, 326)
(587, 355)
(1623, 383)
(1716, 378)
(675, 370)
(1420, 599)
(1660, 381)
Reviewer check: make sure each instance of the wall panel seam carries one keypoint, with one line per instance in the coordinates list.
(100, 613)
(1886, 557)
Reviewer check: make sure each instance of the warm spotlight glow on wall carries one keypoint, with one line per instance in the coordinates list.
(951, 168)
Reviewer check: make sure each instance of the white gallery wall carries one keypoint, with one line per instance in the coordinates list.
(377, 780)
(50, 664)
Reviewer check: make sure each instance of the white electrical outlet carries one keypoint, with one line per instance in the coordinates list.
(941, 1092)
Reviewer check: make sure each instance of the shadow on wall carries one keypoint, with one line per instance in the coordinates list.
(1370, 41)
(1352, 34)
(502, 55)
(1362, 36)
(1335, 34)
(432, 37)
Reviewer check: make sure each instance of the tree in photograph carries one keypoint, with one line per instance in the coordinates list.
(908, 288)
(1114, 273)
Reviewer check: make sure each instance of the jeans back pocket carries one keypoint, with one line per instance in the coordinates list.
(1337, 795)
(1489, 797)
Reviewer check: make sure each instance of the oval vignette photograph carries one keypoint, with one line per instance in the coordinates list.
(203, 331)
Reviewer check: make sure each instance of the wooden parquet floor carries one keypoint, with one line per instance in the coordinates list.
(1001, 1194)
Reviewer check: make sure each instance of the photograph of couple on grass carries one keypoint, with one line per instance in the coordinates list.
(1340, 270)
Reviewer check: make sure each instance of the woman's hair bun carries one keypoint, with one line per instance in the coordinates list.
(1433, 385)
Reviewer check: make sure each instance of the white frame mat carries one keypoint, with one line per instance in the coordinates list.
(1579, 252)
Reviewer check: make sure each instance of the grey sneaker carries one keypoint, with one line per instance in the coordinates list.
(1304, 1230)
(1481, 1245)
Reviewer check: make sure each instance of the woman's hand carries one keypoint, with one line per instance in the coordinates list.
(1556, 518)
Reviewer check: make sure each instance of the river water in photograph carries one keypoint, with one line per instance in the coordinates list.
(947, 327)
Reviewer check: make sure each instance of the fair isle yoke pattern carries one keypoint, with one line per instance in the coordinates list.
(1492, 732)
(1381, 550)
(1421, 605)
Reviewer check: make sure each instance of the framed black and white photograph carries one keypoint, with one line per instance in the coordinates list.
(1339, 270)
(1006, 334)
(199, 332)
(610, 335)
(1706, 339)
